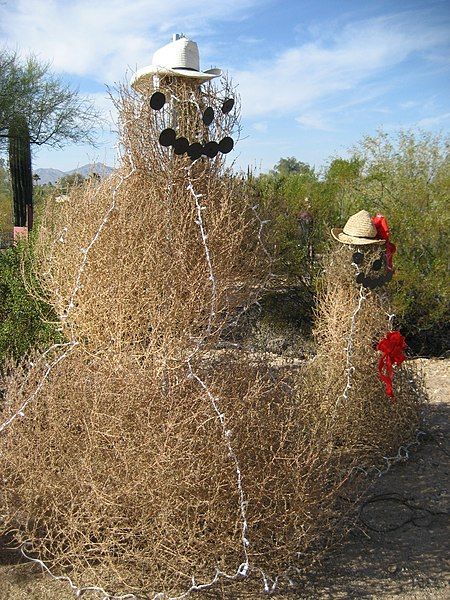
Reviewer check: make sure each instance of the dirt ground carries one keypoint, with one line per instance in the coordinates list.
(398, 550)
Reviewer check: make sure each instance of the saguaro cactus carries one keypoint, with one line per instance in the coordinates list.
(20, 168)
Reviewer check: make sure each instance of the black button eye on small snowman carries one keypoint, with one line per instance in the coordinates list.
(181, 145)
(369, 268)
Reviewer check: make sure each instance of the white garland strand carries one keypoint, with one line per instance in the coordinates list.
(228, 434)
(350, 369)
(49, 367)
(401, 456)
(243, 569)
(204, 237)
(85, 251)
(69, 345)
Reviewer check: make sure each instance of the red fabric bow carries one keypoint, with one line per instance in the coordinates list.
(383, 234)
(392, 347)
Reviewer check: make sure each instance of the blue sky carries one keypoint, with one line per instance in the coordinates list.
(314, 76)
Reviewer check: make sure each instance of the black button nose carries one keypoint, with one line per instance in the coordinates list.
(208, 116)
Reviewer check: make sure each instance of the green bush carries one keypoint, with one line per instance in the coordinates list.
(25, 322)
(6, 218)
(407, 178)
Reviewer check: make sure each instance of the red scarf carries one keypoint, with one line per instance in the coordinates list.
(392, 347)
(383, 234)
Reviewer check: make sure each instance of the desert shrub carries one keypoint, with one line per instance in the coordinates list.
(26, 321)
(285, 202)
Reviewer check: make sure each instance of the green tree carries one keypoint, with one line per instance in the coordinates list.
(68, 181)
(37, 108)
(286, 166)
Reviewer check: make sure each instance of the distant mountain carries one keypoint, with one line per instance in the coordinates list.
(86, 170)
(53, 175)
(49, 175)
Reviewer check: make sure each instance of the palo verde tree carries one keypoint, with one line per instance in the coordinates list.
(37, 108)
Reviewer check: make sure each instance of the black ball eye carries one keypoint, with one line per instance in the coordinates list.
(227, 105)
(208, 116)
(180, 146)
(157, 100)
(226, 145)
(377, 264)
(195, 150)
(167, 137)
(357, 258)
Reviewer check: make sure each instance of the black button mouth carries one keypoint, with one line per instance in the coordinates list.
(180, 146)
(195, 150)
(226, 145)
(211, 149)
(372, 283)
(167, 137)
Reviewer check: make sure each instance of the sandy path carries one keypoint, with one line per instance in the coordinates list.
(399, 550)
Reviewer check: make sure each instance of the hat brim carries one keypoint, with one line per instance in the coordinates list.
(142, 80)
(342, 237)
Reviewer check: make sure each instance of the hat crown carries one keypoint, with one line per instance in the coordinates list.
(179, 54)
(360, 225)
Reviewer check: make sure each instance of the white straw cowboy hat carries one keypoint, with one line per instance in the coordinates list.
(359, 230)
(180, 58)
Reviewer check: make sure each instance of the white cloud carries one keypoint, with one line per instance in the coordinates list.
(313, 121)
(335, 66)
(409, 104)
(101, 38)
(260, 126)
(432, 121)
(105, 106)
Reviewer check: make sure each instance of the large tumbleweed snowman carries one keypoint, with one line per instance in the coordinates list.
(136, 460)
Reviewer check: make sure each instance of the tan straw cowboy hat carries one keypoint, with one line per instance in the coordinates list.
(359, 230)
(180, 58)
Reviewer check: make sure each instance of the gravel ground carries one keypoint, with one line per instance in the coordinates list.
(399, 549)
